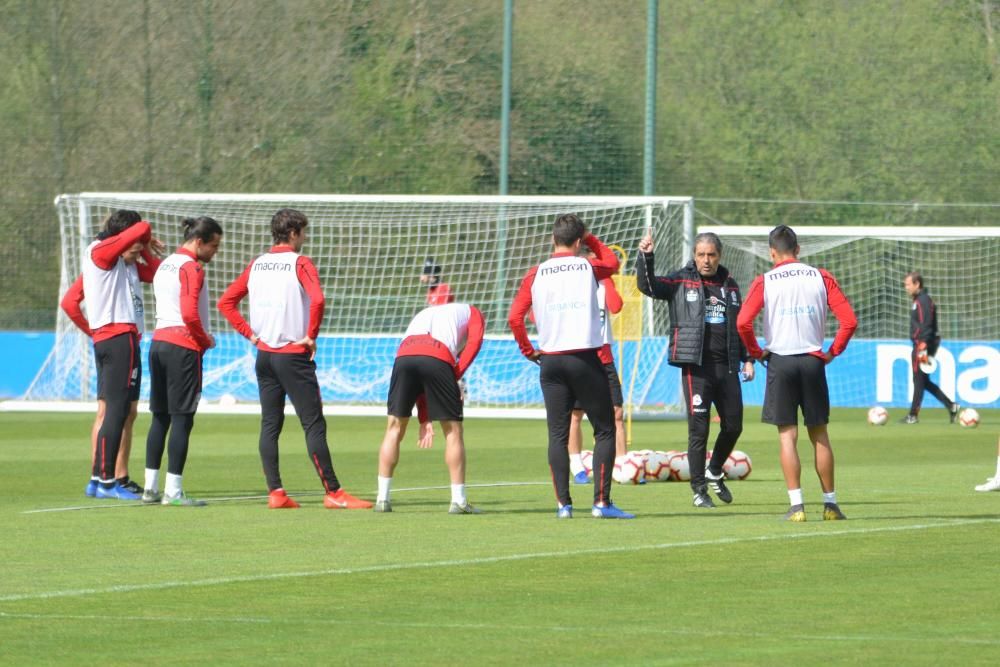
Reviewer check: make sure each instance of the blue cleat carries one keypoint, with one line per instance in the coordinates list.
(116, 492)
(91, 489)
(581, 477)
(565, 512)
(610, 512)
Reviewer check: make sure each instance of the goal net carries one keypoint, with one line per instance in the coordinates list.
(960, 267)
(370, 251)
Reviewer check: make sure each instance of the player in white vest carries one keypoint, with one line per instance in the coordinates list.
(175, 356)
(112, 277)
(286, 310)
(561, 294)
(795, 297)
(609, 301)
(438, 346)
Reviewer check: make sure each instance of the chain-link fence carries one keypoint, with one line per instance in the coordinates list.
(756, 100)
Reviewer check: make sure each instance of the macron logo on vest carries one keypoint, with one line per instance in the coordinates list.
(791, 273)
(272, 266)
(561, 268)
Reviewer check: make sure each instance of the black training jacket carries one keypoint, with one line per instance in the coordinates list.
(687, 313)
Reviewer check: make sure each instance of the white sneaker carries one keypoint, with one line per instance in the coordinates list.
(992, 484)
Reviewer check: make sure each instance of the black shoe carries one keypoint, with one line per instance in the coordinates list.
(132, 486)
(702, 501)
(718, 486)
(909, 419)
(953, 413)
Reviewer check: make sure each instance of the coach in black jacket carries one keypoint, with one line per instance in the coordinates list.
(704, 302)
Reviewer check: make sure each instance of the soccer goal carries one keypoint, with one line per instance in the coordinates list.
(960, 267)
(370, 251)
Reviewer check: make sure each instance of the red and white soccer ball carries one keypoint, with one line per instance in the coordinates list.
(738, 465)
(657, 467)
(587, 456)
(629, 469)
(680, 470)
(969, 418)
(878, 416)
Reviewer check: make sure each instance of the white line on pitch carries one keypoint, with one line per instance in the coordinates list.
(588, 629)
(302, 494)
(486, 560)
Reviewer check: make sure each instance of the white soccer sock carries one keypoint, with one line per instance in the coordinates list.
(458, 493)
(384, 484)
(575, 464)
(152, 479)
(998, 466)
(172, 487)
(795, 497)
(830, 498)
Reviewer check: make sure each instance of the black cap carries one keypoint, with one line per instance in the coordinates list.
(430, 268)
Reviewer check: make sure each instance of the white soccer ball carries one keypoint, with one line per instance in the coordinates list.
(878, 416)
(227, 400)
(968, 418)
(680, 470)
(738, 465)
(629, 469)
(657, 467)
(587, 456)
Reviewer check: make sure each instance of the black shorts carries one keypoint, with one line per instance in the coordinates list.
(119, 367)
(796, 381)
(174, 379)
(617, 399)
(415, 375)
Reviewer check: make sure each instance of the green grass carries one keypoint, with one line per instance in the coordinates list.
(910, 579)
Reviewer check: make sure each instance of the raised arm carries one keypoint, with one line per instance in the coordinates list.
(605, 261)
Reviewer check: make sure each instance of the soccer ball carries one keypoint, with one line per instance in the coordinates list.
(227, 400)
(680, 470)
(587, 456)
(657, 467)
(738, 465)
(629, 469)
(878, 416)
(968, 418)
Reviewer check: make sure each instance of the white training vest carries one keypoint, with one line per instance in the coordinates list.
(564, 304)
(114, 296)
(447, 324)
(279, 305)
(167, 290)
(794, 309)
(602, 303)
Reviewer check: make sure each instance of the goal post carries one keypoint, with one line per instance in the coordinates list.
(370, 250)
(960, 267)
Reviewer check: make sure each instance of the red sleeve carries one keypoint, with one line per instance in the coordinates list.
(519, 309)
(309, 279)
(612, 299)
(192, 277)
(148, 266)
(229, 303)
(71, 305)
(841, 307)
(107, 252)
(606, 262)
(752, 305)
(422, 415)
(477, 327)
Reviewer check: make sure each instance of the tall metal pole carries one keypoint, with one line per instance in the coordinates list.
(508, 38)
(649, 154)
(500, 297)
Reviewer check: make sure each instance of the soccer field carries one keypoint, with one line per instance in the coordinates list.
(911, 578)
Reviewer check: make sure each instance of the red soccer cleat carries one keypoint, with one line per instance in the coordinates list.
(279, 500)
(342, 500)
